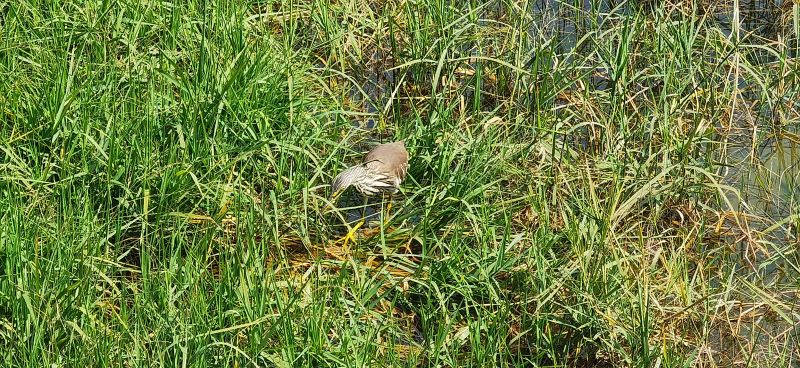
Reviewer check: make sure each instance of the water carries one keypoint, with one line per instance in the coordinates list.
(767, 178)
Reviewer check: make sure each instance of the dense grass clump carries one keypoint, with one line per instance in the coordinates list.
(591, 184)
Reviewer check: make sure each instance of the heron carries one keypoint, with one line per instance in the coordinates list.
(382, 171)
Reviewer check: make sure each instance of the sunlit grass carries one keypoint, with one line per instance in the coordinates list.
(588, 186)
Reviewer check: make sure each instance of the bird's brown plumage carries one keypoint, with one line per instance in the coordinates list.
(390, 159)
(383, 169)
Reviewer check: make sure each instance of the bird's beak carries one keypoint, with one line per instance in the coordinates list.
(331, 198)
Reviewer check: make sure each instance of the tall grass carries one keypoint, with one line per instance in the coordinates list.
(587, 185)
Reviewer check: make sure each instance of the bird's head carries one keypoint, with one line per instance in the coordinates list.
(345, 180)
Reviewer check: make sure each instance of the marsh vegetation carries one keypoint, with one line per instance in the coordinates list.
(591, 183)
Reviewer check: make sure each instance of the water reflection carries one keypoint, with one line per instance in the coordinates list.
(766, 178)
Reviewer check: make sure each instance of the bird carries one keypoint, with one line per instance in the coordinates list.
(381, 172)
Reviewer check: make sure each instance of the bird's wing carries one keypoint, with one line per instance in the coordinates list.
(390, 159)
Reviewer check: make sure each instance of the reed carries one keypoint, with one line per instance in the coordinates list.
(591, 183)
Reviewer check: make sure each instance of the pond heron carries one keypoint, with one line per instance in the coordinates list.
(380, 173)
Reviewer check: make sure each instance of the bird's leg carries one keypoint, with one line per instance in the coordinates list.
(364, 209)
(388, 211)
(351, 234)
